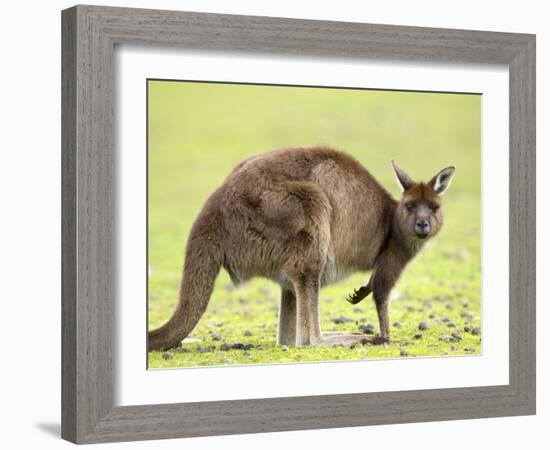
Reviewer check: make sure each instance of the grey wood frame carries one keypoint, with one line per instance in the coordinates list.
(88, 154)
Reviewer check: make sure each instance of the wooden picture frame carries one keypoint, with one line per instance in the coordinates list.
(90, 34)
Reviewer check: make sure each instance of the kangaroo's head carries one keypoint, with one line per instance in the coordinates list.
(419, 213)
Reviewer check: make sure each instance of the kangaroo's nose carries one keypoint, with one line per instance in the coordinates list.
(422, 226)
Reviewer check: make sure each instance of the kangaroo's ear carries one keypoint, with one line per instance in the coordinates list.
(403, 179)
(441, 182)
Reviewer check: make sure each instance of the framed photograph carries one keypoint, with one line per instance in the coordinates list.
(279, 224)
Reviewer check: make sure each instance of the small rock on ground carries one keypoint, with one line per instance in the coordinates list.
(367, 329)
(341, 320)
(215, 336)
(224, 347)
(241, 346)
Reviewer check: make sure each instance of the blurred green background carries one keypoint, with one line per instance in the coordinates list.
(199, 131)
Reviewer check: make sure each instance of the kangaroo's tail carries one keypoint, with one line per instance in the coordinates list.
(202, 264)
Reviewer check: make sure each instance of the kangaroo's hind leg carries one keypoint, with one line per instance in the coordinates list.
(308, 323)
(286, 334)
(296, 216)
(306, 246)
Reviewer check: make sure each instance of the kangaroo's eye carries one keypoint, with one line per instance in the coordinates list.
(434, 208)
(410, 207)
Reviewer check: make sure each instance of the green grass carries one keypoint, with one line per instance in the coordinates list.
(198, 132)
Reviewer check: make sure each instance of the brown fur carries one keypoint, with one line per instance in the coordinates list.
(303, 217)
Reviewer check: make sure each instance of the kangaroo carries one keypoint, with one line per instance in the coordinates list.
(305, 218)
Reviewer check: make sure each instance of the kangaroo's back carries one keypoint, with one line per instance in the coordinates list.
(360, 207)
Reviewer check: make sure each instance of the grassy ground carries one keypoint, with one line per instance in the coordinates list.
(198, 132)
